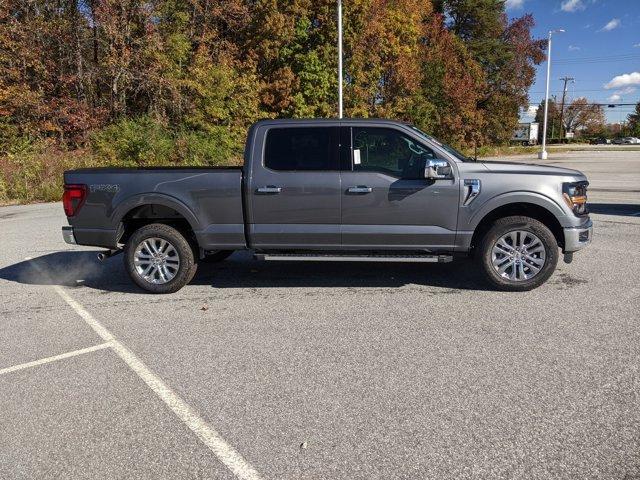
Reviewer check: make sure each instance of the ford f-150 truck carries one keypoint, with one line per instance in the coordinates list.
(333, 190)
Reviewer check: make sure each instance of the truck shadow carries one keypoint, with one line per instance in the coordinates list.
(82, 269)
(619, 209)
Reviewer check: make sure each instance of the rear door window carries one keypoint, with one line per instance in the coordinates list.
(302, 148)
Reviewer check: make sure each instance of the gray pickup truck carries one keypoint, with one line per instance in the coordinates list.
(333, 190)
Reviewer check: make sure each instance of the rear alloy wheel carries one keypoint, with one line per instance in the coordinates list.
(159, 259)
(156, 260)
(518, 253)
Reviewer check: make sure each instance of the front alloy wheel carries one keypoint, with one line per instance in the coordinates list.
(518, 255)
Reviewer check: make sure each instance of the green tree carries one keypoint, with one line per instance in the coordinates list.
(633, 120)
(553, 118)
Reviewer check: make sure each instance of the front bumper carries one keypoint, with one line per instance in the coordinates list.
(576, 238)
(68, 236)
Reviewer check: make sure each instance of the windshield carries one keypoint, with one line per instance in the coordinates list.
(444, 146)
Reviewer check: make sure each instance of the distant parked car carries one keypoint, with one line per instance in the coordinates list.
(600, 141)
(618, 141)
(631, 141)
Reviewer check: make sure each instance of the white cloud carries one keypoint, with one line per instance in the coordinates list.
(572, 5)
(624, 80)
(514, 4)
(532, 110)
(637, 45)
(615, 98)
(626, 90)
(573, 48)
(613, 23)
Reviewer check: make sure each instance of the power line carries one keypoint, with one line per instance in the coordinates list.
(578, 90)
(591, 60)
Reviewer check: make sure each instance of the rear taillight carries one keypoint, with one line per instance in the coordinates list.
(73, 198)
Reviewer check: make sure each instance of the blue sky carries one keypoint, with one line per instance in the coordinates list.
(600, 49)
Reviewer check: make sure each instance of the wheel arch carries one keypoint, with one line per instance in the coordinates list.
(155, 208)
(520, 208)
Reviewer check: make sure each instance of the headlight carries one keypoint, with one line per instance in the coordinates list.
(575, 194)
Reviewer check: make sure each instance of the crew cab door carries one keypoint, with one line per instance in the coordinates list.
(294, 188)
(386, 201)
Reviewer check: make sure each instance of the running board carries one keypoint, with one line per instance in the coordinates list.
(297, 257)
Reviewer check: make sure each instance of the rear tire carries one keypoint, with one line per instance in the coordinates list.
(159, 259)
(518, 254)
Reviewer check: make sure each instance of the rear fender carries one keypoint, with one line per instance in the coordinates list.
(154, 199)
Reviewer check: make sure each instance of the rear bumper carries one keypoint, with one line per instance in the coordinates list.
(93, 237)
(576, 238)
(68, 236)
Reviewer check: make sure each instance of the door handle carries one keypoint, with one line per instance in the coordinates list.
(269, 190)
(361, 189)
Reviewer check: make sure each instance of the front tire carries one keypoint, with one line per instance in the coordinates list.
(518, 254)
(159, 259)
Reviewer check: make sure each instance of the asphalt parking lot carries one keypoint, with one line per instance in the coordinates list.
(323, 371)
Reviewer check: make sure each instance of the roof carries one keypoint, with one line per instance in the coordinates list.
(329, 120)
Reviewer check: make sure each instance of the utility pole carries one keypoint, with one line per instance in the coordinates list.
(339, 58)
(564, 94)
(543, 153)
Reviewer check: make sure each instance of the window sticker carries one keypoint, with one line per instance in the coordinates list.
(356, 157)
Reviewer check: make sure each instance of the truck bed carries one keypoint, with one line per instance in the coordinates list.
(208, 198)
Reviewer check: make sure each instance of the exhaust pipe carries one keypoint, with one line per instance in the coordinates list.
(102, 256)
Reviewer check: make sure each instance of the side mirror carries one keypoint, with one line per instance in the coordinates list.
(436, 169)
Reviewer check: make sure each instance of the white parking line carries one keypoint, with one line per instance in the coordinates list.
(55, 358)
(223, 450)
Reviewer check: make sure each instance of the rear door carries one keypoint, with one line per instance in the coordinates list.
(294, 188)
(386, 201)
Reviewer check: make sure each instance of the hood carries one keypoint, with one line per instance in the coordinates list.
(530, 169)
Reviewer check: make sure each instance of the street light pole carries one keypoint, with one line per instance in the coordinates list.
(543, 153)
(339, 58)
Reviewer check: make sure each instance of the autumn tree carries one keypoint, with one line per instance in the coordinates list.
(580, 114)
(506, 52)
(450, 87)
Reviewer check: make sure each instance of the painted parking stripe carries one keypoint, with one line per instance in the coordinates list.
(55, 358)
(212, 439)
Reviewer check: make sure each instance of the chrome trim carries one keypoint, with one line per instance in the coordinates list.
(572, 241)
(269, 190)
(68, 236)
(474, 190)
(432, 169)
(355, 258)
(360, 189)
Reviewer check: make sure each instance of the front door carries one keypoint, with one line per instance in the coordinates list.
(295, 190)
(386, 201)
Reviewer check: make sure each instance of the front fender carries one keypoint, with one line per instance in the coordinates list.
(516, 197)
